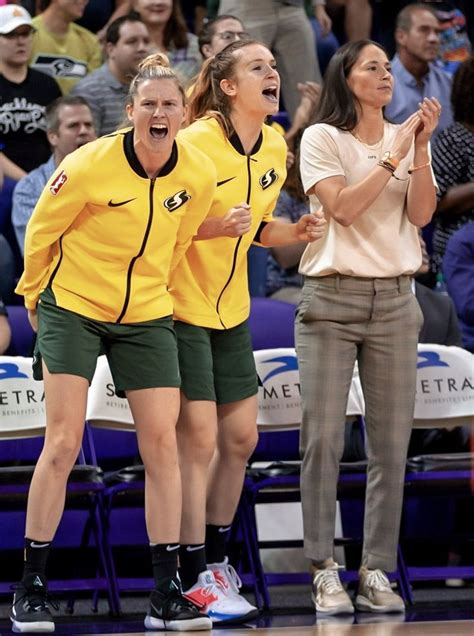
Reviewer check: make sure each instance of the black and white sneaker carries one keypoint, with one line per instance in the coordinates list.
(172, 611)
(30, 612)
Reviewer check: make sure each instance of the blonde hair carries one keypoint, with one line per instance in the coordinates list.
(208, 98)
(154, 66)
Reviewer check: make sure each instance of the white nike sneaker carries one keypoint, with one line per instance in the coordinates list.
(211, 598)
(229, 580)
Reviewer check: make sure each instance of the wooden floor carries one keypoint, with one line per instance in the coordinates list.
(441, 628)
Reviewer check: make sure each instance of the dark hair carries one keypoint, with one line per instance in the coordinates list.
(293, 184)
(403, 21)
(209, 29)
(207, 97)
(176, 30)
(462, 92)
(52, 111)
(154, 66)
(337, 105)
(112, 34)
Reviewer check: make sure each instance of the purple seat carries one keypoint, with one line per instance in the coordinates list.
(23, 335)
(271, 323)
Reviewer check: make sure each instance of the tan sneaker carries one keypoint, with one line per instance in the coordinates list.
(375, 593)
(329, 597)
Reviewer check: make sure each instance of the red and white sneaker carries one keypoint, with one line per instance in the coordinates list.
(229, 580)
(211, 599)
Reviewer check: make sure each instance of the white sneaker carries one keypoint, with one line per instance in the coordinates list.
(375, 593)
(328, 595)
(211, 599)
(229, 580)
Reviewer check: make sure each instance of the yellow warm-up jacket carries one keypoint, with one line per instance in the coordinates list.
(105, 236)
(209, 287)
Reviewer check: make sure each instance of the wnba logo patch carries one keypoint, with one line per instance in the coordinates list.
(176, 201)
(58, 183)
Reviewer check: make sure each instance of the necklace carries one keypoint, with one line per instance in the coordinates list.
(369, 146)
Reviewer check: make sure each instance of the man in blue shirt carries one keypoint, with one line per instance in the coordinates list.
(458, 269)
(414, 67)
(69, 125)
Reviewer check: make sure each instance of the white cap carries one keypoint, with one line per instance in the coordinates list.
(13, 16)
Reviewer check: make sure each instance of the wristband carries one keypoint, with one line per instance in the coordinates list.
(415, 168)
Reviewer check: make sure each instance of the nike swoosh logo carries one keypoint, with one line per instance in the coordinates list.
(219, 183)
(226, 529)
(170, 548)
(39, 545)
(111, 204)
(193, 548)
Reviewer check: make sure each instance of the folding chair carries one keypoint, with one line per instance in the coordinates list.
(22, 334)
(113, 438)
(445, 399)
(22, 427)
(279, 481)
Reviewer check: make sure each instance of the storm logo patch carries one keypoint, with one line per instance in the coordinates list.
(268, 178)
(176, 201)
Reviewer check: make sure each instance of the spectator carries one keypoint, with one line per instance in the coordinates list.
(440, 326)
(5, 331)
(326, 42)
(106, 89)
(455, 46)
(453, 163)
(24, 94)
(168, 32)
(99, 14)
(7, 271)
(414, 69)
(69, 125)
(61, 48)
(283, 27)
(458, 268)
(218, 32)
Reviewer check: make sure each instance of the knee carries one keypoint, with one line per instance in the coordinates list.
(61, 451)
(197, 443)
(239, 444)
(160, 450)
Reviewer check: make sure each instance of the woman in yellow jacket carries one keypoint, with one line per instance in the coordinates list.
(111, 224)
(236, 90)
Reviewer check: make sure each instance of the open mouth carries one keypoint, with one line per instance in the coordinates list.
(271, 93)
(158, 131)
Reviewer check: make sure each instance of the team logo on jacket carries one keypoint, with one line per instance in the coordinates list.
(58, 183)
(268, 178)
(176, 201)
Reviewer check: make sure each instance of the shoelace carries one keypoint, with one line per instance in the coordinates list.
(329, 580)
(36, 601)
(233, 578)
(378, 580)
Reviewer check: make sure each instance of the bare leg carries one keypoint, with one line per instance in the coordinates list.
(236, 439)
(66, 399)
(197, 432)
(155, 412)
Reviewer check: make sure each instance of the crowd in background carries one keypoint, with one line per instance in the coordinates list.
(64, 77)
(68, 75)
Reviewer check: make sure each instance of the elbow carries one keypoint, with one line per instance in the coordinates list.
(342, 219)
